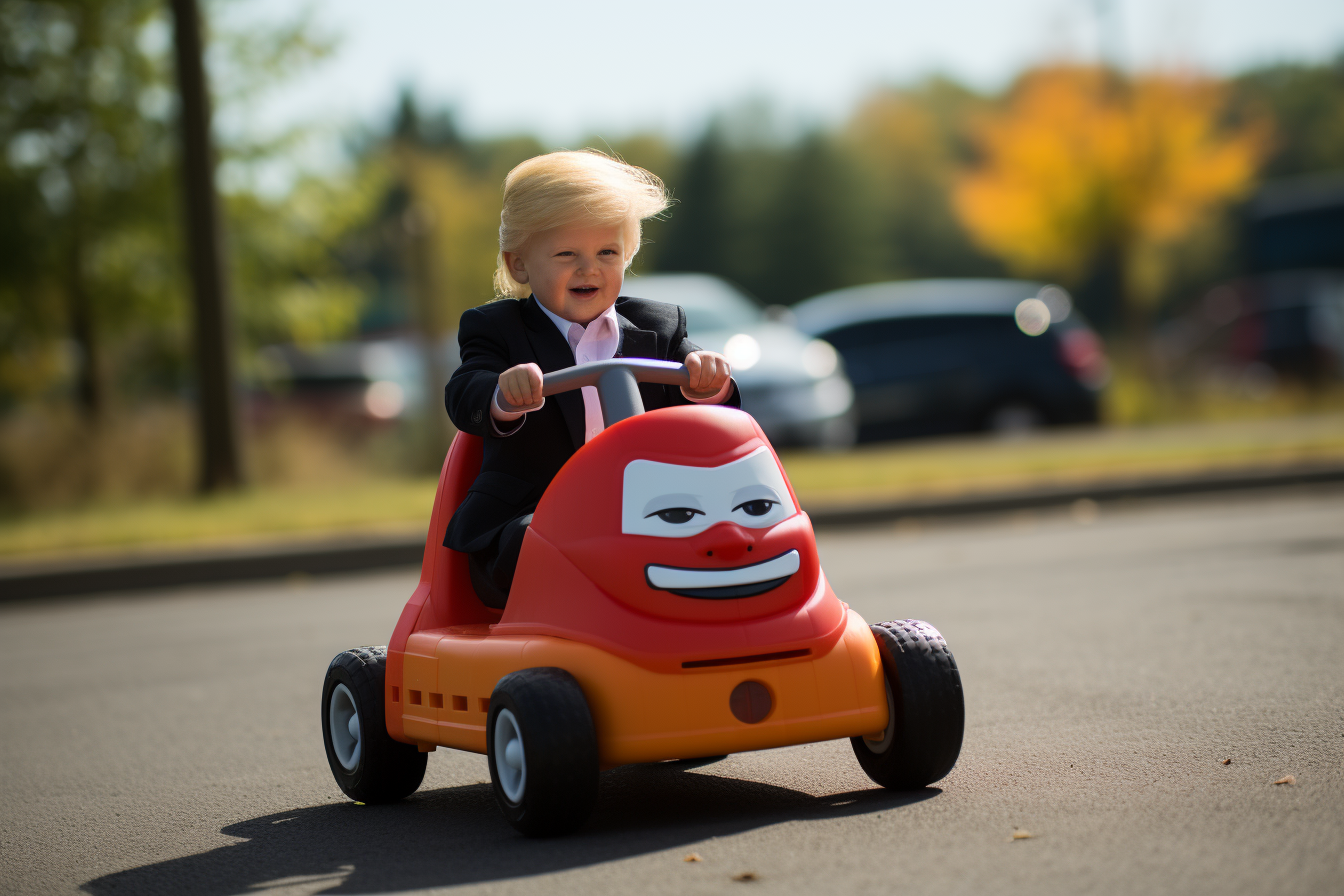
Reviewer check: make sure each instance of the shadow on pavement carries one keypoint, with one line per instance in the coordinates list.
(456, 835)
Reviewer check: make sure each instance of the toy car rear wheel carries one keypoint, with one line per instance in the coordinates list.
(928, 711)
(542, 748)
(369, 766)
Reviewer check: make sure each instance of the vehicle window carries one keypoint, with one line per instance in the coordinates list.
(896, 349)
(873, 333)
(710, 303)
(722, 312)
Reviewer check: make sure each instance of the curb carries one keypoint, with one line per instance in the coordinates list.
(1114, 490)
(213, 566)
(208, 567)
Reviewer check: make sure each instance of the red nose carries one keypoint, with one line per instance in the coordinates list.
(727, 542)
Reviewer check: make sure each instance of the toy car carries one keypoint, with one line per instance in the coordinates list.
(668, 604)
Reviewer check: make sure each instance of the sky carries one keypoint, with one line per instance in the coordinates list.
(565, 70)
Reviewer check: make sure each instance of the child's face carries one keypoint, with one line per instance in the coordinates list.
(576, 270)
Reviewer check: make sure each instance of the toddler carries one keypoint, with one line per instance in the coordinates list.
(569, 228)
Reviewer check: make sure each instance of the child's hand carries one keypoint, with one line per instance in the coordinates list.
(521, 387)
(709, 374)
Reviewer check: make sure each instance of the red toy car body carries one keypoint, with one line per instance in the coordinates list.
(668, 604)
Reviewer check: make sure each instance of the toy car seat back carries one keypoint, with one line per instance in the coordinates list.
(444, 596)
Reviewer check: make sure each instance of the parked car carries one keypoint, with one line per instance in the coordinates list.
(369, 381)
(793, 384)
(1257, 330)
(928, 357)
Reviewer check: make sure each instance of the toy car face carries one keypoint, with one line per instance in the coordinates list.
(682, 522)
(704, 507)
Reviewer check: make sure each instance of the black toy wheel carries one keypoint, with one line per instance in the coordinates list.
(368, 764)
(542, 748)
(928, 712)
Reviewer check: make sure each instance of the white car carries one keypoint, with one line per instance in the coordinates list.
(794, 385)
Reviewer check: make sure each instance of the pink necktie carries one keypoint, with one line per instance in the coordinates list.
(592, 408)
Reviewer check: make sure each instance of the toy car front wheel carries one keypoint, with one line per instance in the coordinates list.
(369, 766)
(927, 709)
(542, 747)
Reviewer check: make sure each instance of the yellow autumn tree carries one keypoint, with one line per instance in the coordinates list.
(1085, 173)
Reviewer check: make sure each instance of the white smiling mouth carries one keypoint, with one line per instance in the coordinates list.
(723, 583)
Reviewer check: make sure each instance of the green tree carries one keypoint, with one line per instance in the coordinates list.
(1306, 105)
(93, 292)
(697, 237)
(816, 228)
(87, 188)
(91, 254)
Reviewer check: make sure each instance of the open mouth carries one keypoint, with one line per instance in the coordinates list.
(724, 582)
(584, 292)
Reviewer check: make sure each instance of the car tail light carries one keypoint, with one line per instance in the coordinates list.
(1082, 353)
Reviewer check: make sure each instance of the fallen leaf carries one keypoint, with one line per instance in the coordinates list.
(745, 876)
(358, 803)
(1227, 761)
(1022, 835)
(1286, 779)
(692, 857)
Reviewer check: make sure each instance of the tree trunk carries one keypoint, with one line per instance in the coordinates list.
(1102, 294)
(88, 387)
(219, 462)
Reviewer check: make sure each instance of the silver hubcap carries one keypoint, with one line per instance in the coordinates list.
(343, 720)
(510, 760)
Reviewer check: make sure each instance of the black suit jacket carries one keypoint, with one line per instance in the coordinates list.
(516, 469)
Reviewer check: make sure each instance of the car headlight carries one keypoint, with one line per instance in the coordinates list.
(742, 351)
(384, 399)
(819, 359)
(833, 395)
(1032, 316)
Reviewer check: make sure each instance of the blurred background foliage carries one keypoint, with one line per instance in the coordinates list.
(1124, 187)
(1101, 182)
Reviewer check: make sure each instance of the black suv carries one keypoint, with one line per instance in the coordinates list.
(928, 357)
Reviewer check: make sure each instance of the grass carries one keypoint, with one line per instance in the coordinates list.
(869, 474)
(966, 466)
(372, 506)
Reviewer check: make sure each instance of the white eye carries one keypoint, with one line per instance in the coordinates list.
(755, 500)
(676, 515)
(680, 501)
(758, 507)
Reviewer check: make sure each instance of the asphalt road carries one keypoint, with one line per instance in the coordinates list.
(169, 742)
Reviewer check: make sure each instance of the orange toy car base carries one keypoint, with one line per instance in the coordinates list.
(668, 604)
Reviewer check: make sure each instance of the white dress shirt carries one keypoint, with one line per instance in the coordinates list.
(596, 341)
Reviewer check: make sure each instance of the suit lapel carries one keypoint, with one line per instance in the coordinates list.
(635, 343)
(553, 353)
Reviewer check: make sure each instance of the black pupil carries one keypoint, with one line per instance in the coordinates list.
(676, 515)
(759, 507)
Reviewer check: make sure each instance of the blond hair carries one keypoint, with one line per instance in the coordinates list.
(570, 187)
